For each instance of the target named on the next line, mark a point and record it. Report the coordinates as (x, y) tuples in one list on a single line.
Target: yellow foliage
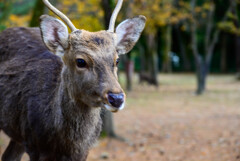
[(204, 15), (232, 16), (159, 12), (15, 20), (183, 28), (86, 15), (89, 14), (207, 6), (67, 3), (230, 27), (198, 9)]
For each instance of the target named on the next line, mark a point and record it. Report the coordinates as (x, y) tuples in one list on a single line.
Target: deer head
[(90, 58)]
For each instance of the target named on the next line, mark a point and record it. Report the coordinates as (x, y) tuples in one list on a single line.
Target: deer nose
[(115, 100)]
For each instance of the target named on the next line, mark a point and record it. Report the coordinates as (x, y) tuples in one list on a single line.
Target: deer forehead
[(96, 44)]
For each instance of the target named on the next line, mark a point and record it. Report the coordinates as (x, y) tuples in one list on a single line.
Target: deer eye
[(117, 61), (81, 63)]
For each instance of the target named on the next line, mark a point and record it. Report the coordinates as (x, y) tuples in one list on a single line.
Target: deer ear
[(128, 33), (54, 34)]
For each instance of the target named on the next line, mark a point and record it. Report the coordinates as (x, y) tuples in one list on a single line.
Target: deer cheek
[(86, 78)]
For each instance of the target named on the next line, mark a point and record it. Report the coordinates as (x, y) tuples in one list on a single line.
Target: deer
[(145, 77), (53, 85)]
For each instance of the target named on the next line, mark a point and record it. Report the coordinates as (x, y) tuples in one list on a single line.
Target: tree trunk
[(202, 72), (223, 61), (108, 124), (203, 65), (155, 68), (107, 6), (182, 47), (142, 59), (167, 37), (37, 12), (129, 70), (235, 12), (238, 56), (153, 58)]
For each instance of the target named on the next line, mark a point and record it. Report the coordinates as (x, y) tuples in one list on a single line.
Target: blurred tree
[(167, 36), (37, 12), (148, 9), (203, 16), (223, 62), (236, 20), (161, 15), (181, 39), (232, 25), (107, 6)]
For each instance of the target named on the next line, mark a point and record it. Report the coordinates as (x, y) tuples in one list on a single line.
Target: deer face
[(90, 59)]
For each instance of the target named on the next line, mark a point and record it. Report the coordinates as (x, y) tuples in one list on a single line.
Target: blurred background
[(182, 78)]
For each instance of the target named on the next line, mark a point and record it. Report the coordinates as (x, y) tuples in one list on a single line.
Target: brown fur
[(44, 104)]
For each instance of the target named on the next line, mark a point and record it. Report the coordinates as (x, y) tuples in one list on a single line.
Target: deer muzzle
[(115, 101)]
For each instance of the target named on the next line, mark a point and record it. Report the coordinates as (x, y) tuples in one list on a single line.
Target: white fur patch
[(59, 51), (113, 109)]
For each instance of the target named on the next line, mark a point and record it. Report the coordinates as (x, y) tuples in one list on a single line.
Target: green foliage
[(22, 7), (232, 24), (15, 13), (103, 134), (5, 10), (229, 27)]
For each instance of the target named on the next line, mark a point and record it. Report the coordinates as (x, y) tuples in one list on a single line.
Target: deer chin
[(113, 109)]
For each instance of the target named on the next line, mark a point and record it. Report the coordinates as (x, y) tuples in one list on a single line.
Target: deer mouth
[(114, 109)]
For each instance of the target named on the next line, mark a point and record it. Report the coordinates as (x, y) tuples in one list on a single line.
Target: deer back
[(24, 80)]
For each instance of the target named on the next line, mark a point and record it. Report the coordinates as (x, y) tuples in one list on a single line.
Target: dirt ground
[(171, 123)]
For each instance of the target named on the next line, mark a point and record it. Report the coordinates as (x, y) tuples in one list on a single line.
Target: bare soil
[(171, 123)]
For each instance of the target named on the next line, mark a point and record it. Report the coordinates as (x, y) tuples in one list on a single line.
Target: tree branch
[(209, 26), (194, 32), (216, 35)]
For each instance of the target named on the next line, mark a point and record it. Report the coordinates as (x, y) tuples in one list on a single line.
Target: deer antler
[(60, 14), (114, 16)]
